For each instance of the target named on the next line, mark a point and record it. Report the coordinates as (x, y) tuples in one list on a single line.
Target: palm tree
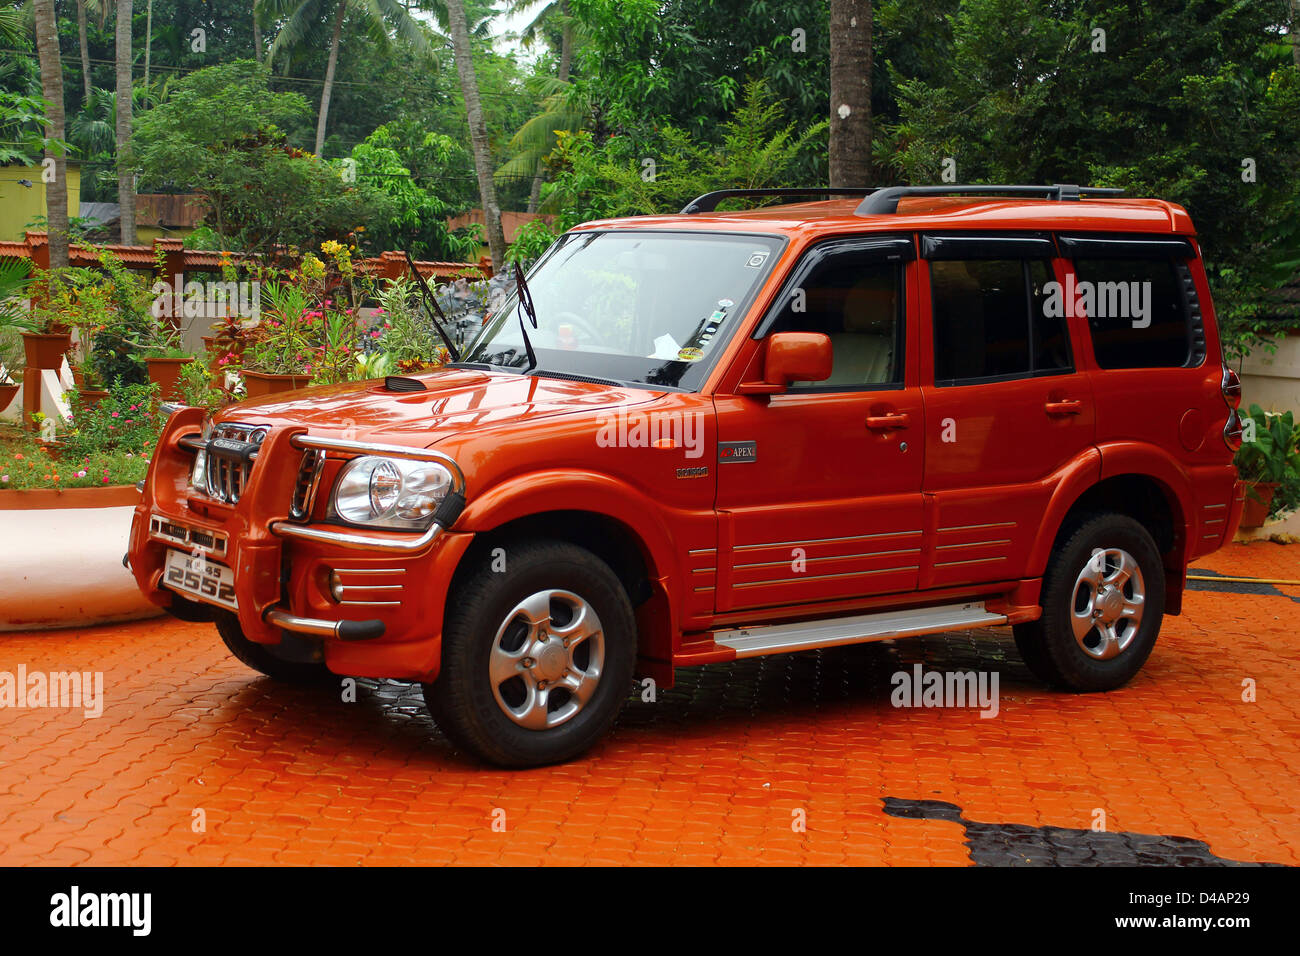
[(303, 26), (125, 175), (850, 139), (56, 192), (84, 47), (477, 131), (536, 138)]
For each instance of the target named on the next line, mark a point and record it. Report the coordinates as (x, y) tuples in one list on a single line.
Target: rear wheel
[(536, 661), (262, 657), (1103, 601)]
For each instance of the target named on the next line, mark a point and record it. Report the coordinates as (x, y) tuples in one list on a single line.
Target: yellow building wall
[(21, 205)]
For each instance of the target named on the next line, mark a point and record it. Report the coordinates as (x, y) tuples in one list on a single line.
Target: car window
[(1136, 313), (993, 319), (855, 298)]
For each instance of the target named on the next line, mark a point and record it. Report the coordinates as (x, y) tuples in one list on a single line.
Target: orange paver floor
[(792, 759)]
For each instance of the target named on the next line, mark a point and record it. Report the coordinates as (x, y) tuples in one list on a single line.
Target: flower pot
[(7, 393), (166, 373), (257, 384), (1254, 512), (90, 397), (46, 349)]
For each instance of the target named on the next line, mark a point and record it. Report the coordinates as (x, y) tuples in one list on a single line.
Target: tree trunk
[(56, 192), (477, 132), (148, 42), (125, 175), (85, 48), (328, 88), (257, 34), (850, 140), (1295, 26)]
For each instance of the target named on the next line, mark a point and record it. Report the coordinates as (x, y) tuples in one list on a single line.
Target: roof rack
[(709, 201), (883, 202)]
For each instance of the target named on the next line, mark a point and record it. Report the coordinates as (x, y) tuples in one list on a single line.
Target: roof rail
[(884, 202), (709, 201)]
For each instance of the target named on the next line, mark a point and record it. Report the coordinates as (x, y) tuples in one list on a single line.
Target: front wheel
[(537, 659), (262, 657), (1103, 601)]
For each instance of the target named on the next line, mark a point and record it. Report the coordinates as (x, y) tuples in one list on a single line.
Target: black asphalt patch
[(1014, 844)]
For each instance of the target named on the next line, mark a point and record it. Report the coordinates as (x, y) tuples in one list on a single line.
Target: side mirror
[(791, 357)]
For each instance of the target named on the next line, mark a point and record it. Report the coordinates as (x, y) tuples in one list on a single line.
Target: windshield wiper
[(429, 300), (525, 299)]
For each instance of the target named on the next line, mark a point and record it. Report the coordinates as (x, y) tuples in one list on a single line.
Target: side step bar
[(860, 628)]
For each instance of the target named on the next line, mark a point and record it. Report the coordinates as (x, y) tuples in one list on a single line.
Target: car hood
[(454, 400)]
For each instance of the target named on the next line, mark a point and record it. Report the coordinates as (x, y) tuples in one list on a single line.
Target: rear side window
[(991, 320), (1137, 312)]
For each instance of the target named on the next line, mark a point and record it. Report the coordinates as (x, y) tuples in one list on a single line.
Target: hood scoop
[(399, 383)]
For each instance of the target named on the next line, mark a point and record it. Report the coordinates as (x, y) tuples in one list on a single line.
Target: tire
[(261, 658), (536, 661), (1103, 601)]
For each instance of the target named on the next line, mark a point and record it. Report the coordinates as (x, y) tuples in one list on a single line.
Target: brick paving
[(785, 760)]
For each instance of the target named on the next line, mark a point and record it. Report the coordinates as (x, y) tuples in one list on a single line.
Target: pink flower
[(4, 479), (115, 415), (106, 479), (133, 408)]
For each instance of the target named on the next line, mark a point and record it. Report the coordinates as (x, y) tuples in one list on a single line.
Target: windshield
[(647, 307)]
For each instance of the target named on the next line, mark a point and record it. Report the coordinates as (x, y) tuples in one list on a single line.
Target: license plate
[(196, 576)]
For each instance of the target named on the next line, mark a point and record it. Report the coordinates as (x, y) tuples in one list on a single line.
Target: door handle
[(892, 420), (1066, 406)]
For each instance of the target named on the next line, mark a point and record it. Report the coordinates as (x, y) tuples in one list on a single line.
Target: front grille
[(226, 475), (304, 489)]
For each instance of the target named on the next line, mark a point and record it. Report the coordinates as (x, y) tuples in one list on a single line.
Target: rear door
[(819, 488), (1006, 410)]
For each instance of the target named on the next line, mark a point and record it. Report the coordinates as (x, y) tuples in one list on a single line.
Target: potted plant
[(10, 383), (1269, 456), (281, 352)]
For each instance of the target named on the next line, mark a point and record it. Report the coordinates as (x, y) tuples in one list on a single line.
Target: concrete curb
[(62, 567)]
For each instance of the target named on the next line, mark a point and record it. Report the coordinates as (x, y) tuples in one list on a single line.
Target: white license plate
[(196, 576)]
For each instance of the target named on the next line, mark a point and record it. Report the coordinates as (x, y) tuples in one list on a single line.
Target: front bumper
[(374, 600)]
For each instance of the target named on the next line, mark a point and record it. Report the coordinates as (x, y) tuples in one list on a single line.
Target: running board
[(860, 628)]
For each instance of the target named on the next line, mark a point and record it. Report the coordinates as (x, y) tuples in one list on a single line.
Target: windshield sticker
[(690, 355), (666, 347), (756, 259)]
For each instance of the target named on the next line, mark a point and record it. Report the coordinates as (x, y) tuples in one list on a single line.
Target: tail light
[(1230, 385), (1232, 431)]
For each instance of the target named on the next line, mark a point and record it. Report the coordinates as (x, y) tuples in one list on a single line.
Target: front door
[(819, 488)]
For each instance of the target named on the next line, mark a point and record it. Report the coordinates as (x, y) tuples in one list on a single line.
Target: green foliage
[(1272, 453), (126, 420), (220, 133), (534, 238), (22, 131), (757, 149), (416, 218), (405, 333), (1184, 93)]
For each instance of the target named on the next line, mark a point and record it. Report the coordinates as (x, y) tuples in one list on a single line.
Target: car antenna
[(526, 300), (429, 300)]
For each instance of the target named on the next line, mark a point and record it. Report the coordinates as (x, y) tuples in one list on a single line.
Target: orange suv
[(713, 435)]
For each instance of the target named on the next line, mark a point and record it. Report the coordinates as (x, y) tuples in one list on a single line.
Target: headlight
[(390, 492)]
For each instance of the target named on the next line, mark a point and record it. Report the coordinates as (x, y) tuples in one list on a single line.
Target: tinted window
[(856, 299), (1136, 312), (991, 320)]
